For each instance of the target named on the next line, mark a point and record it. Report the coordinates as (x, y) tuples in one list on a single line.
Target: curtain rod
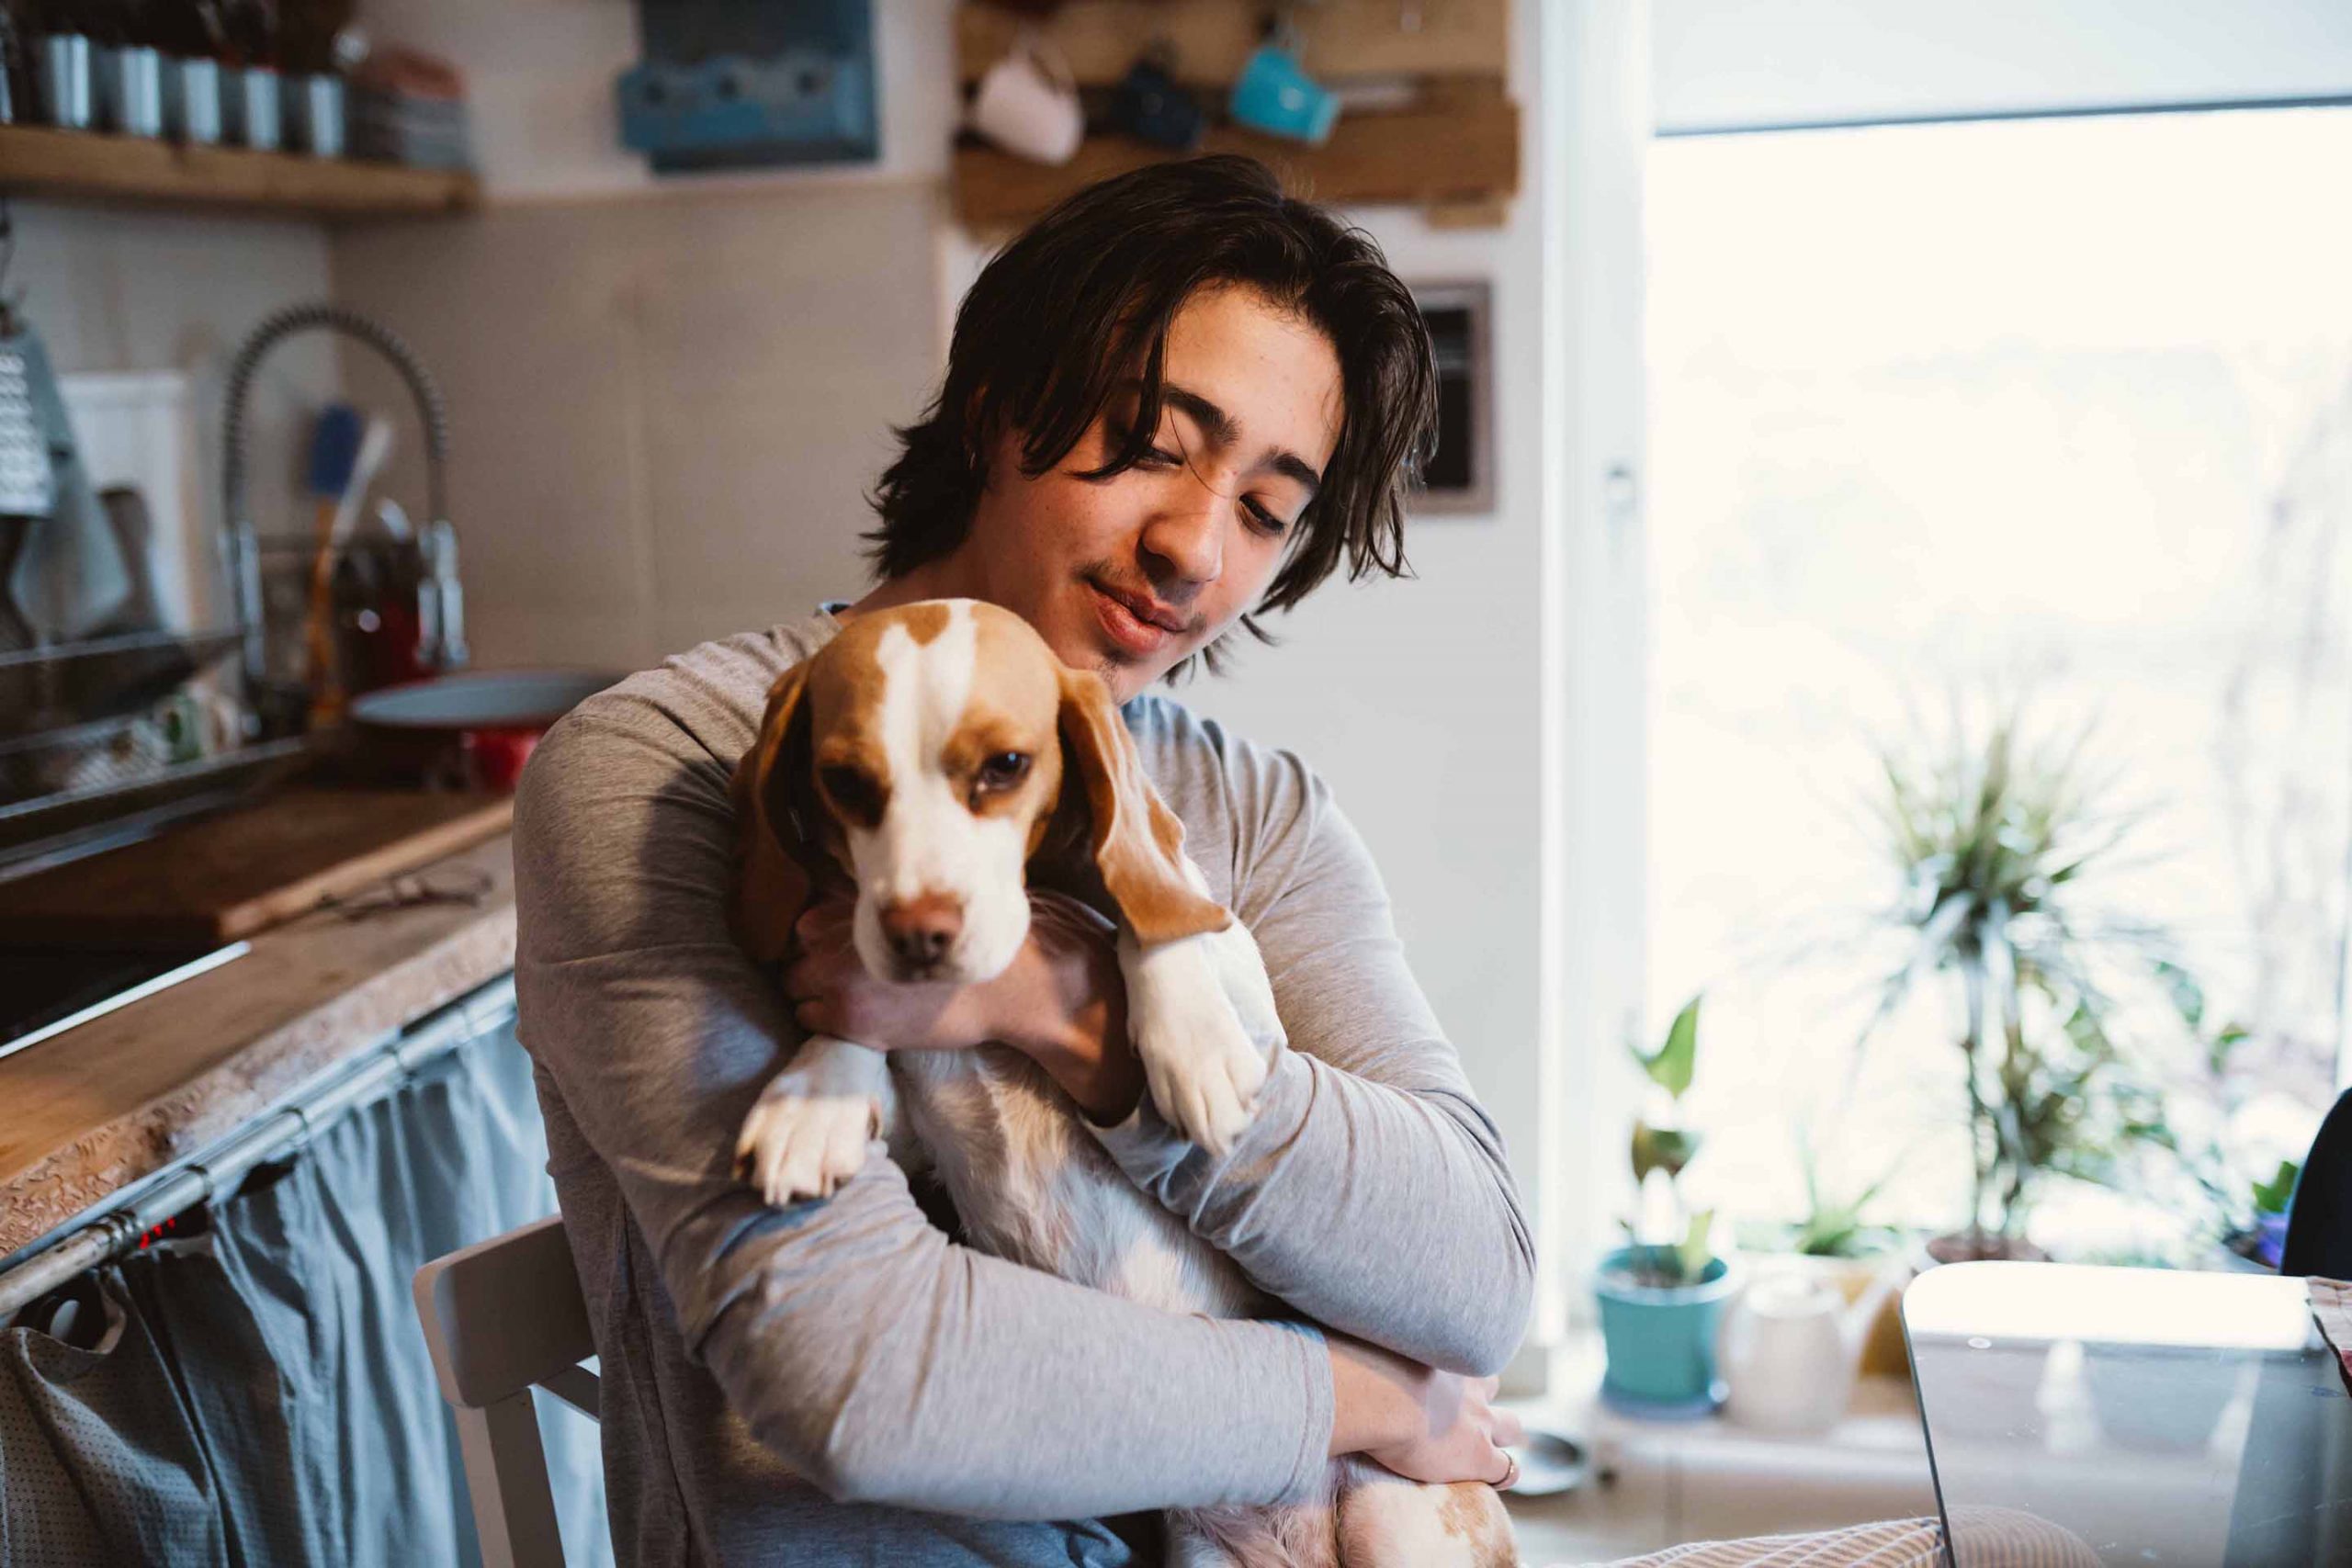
[(216, 1172)]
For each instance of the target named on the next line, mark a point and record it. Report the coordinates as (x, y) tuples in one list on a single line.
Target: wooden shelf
[(1210, 38), (35, 160), (1458, 156)]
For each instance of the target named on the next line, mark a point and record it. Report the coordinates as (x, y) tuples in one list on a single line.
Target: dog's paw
[(1204, 1070), (802, 1141)]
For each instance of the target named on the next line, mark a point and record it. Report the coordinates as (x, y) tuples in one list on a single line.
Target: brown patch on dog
[(773, 869), (1473, 1511), (788, 837), (1138, 841), (923, 620)]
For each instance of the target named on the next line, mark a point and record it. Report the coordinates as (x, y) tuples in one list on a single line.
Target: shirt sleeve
[(882, 1362), (1370, 1190)]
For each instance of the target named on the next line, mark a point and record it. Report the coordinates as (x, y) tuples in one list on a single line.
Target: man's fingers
[(824, 916), (1510, 1431)]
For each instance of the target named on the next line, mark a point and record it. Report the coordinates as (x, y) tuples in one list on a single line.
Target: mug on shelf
[(1151, 106), (1275, 94), (1027, 104)]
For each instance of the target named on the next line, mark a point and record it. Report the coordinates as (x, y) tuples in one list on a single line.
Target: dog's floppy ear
[(775, 861), (1139, 843)]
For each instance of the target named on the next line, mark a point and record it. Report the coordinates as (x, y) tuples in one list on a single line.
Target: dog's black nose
[(921, 929)]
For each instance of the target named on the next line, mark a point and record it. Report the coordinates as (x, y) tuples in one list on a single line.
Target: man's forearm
[(1373, 1403), (1374, 1210), (888, 1366)]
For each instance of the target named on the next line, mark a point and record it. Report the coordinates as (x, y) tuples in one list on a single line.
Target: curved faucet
[(444, 607)]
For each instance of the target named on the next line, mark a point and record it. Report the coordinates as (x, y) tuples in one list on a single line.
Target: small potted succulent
[(1830, 1241), (1662, 1294)]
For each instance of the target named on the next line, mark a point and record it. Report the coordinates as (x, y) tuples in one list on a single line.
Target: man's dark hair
[(1082, 300)]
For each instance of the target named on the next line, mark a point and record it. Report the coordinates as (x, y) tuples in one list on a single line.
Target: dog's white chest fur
[(1031, 1184)]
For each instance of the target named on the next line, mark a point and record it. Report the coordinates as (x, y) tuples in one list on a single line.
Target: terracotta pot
[(1956, 1246)]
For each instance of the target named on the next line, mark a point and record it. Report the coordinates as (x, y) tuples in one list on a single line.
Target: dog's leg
[(1202, 1015), (807, 1133), (1387, 1521), (1204, 1069)]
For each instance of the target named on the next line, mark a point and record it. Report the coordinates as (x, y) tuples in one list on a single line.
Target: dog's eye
[(1002, 772), (854, 795)]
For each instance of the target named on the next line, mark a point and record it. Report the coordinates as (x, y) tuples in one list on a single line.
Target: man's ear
[(1139, 843), (774, 860)]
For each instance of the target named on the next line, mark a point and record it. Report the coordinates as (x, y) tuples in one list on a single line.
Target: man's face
[(1128, 575)]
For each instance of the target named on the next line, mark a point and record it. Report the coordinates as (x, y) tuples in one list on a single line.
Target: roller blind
[(1723, 66)]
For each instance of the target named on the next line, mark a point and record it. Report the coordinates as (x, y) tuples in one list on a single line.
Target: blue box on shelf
[(734, 85)]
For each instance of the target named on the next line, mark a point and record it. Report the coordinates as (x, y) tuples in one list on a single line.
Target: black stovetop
[(44, 991)]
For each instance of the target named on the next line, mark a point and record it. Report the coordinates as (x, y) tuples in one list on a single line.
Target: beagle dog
[(936, 756)]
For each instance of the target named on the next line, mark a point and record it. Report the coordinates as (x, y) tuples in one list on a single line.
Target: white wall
[(664, 413), (1726, 64)]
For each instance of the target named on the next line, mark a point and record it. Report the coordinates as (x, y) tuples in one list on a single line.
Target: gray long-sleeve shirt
[(842, 1382)]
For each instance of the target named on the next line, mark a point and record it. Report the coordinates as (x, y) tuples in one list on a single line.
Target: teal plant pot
[(1662, 1342)]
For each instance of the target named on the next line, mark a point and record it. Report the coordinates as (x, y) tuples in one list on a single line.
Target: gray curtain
[(256, 1390)]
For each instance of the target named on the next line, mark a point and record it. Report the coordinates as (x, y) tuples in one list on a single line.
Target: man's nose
[(1188, 541), (921, 930)]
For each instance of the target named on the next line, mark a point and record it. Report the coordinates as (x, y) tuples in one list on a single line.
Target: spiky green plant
[(1990, 831)]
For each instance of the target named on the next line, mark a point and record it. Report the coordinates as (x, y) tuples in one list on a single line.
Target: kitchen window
[(2060, 405)]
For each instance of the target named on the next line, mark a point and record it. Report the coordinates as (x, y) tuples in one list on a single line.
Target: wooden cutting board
[(230, 875)]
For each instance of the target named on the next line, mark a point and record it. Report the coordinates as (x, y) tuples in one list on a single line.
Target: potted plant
[(2265, 1242), (1830, 1241), (1662, 1294), (2185, 1149), (1991, 838)]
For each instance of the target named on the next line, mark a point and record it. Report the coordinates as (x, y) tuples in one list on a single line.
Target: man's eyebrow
[(1222, 432)]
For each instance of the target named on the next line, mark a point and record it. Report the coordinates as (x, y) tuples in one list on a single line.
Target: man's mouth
[(1143, 608), (1135, 626)]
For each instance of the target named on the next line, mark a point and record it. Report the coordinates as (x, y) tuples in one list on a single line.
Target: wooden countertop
[(91, 1110)]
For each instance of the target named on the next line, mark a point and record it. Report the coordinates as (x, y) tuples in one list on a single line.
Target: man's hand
[(1061, 1000), (1423, 1424)]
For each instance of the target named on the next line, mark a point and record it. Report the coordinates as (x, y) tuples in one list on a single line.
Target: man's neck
[(933, 579)]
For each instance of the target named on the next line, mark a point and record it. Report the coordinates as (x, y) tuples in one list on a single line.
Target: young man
[(1179, 401)]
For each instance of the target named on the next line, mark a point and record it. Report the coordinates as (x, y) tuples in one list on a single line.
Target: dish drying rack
[(85, 761)]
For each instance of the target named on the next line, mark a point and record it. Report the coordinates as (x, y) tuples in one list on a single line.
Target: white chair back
[(502, 1318)]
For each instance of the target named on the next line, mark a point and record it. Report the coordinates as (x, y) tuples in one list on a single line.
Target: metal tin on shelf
[(131, 90), (192, 100), (250, 105), (314, 113), (67, 99)]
